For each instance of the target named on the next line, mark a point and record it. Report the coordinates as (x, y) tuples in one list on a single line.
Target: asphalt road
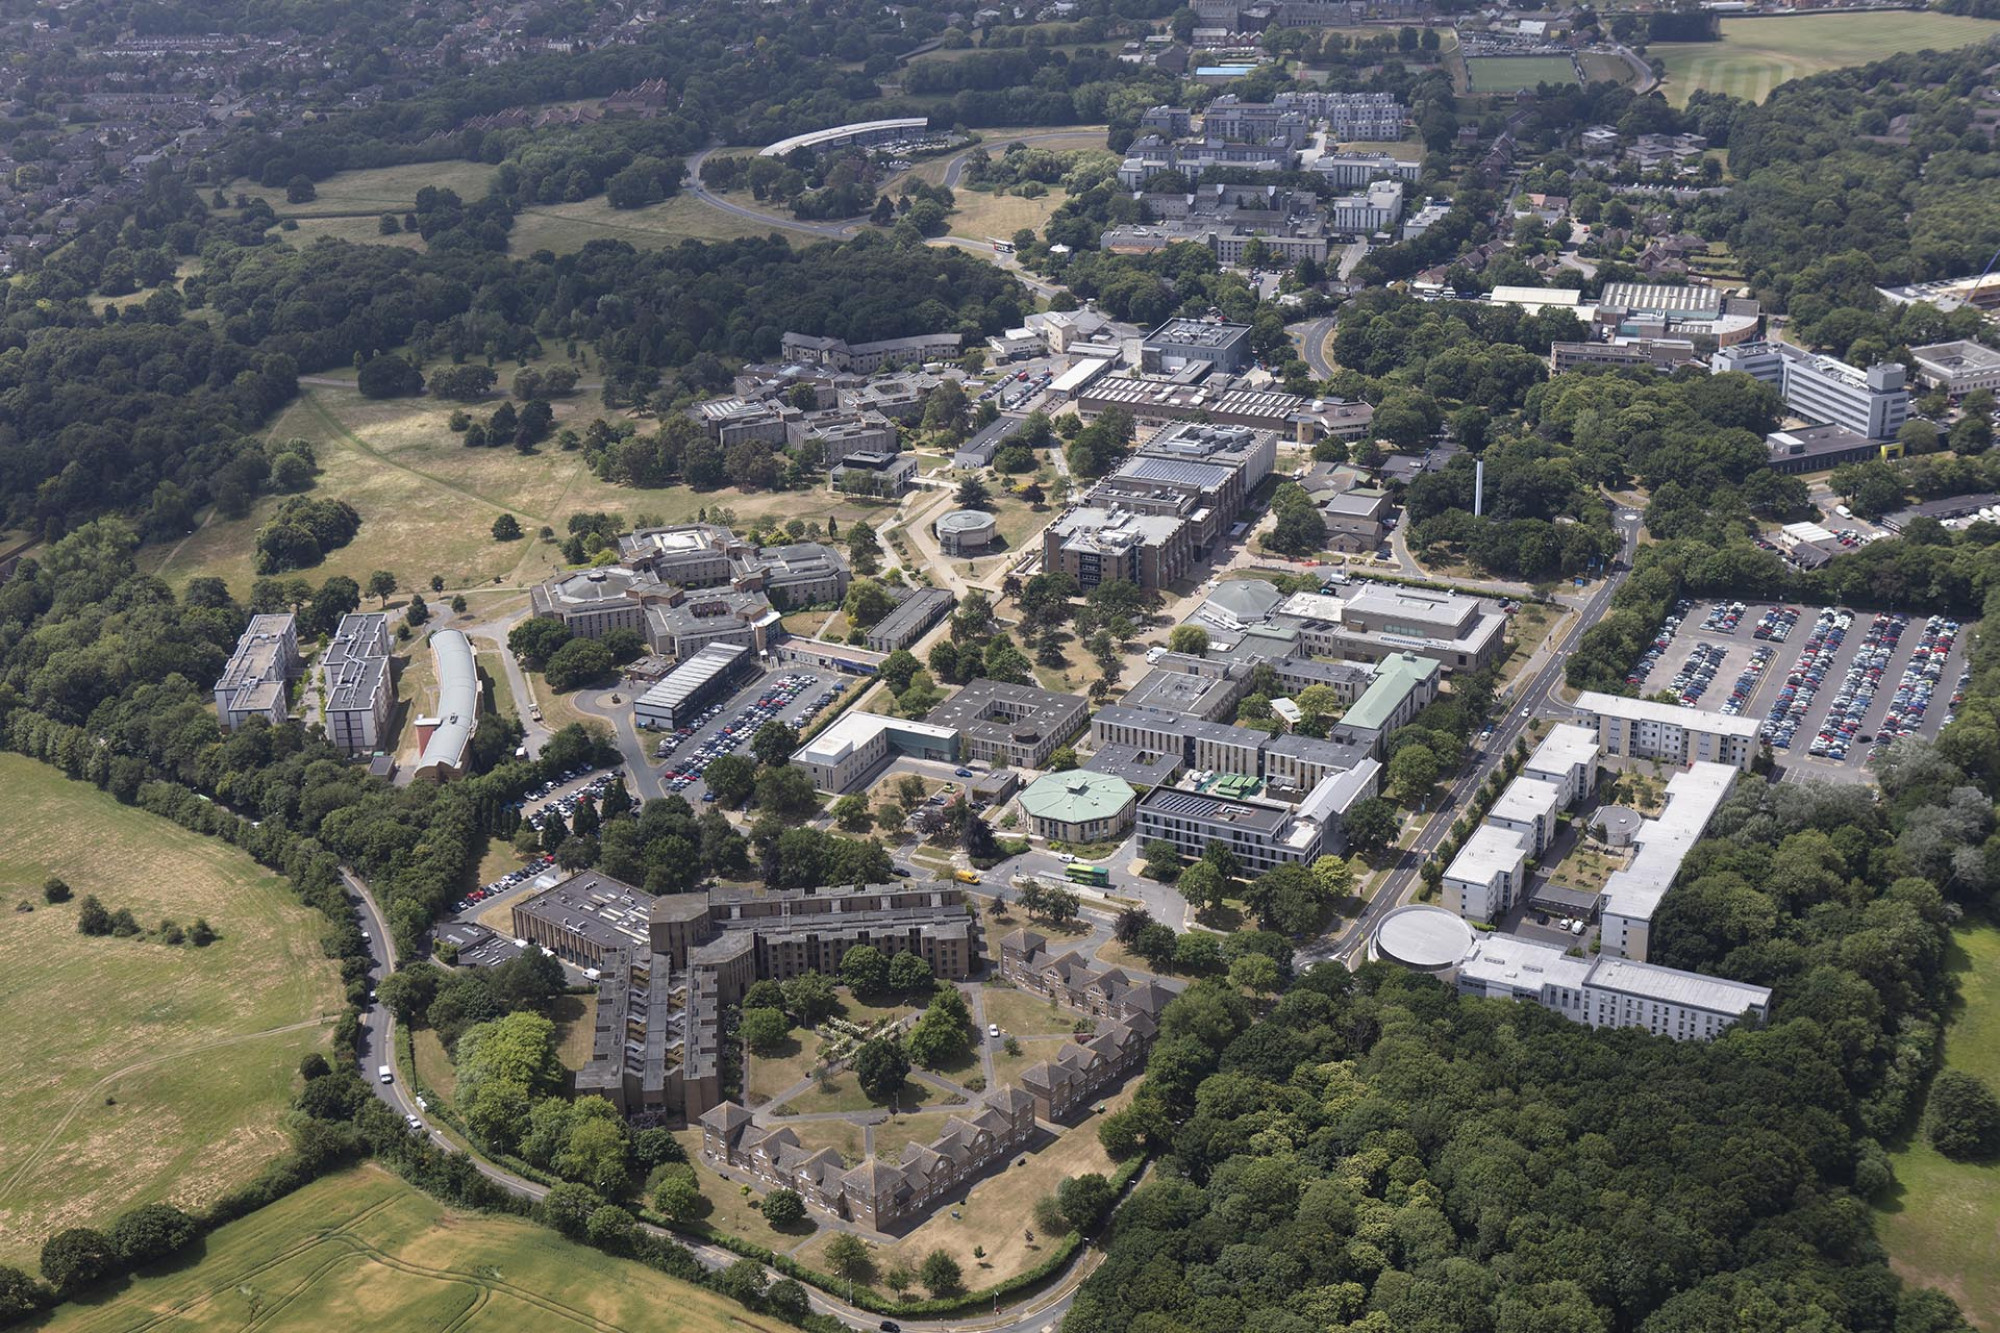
[(377, 1047), (1312, 338), (1525, 702)]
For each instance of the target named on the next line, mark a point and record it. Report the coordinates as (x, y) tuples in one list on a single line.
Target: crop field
[(1756, 55), (361, 1252), (139, 1070), (427, 503), (1942, 1229), (1506, 74)]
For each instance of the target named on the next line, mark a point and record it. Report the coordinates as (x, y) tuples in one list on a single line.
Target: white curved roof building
[(447, 735), (839, 136)]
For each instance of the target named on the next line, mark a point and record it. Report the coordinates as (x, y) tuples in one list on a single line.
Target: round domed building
[(1423, 938), (965, 532)]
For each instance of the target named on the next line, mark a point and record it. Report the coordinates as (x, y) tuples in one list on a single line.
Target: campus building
[(358, 684), (1010, 726), (254, 679), (1078, 806), (1957, 367), (446, 732), (1261, 833), (1222, 345), (1874, 402), (1632, 895), (668, 967), (862, 358), (1645, 729), (1805, 449), (701, 678), (1603, 991), (858, 745), (1373, 621), (1488, 875), (911, 619)]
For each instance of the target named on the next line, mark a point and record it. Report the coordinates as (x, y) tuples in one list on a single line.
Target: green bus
[(1079, 873)]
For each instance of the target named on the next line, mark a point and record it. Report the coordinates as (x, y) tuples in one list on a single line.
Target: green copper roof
[(1077, 796), (1395, 677)]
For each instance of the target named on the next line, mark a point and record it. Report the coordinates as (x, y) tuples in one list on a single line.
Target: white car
[(1064, 857), (993, 1030)]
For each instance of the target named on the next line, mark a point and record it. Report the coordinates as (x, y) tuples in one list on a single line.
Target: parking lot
[(794, 697), (1825, 685), (1020, 385)]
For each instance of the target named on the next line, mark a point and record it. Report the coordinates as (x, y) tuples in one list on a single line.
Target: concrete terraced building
[(668, 967), (254, 680), (358, 684)]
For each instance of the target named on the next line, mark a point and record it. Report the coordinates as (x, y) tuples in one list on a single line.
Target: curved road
[(378, 1046), (1312, 339), (1532, 700)]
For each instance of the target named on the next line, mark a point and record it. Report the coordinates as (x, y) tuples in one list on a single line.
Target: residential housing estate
[(254, 679)]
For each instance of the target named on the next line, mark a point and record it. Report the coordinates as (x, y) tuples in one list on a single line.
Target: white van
[(1843, 511), (386, 1074)]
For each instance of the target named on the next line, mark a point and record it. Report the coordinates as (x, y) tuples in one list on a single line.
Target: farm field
[(1756, 55), (427, 503), (361, 1251), (1506, 74), (1943, 1227), (140, 1071)]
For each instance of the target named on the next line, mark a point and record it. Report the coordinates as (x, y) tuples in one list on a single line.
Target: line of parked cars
[(1957, 697), (1723, 617), (734, 734), (1698, 672), (505, 882), (1644, 666), (594, 791), (1776, 625), (1802, 683), (1746, 684), (1919, 682), (1856, 695)]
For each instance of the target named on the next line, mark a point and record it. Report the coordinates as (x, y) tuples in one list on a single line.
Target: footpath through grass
[(1942, 1228), (363, 1252), (138, 1070)]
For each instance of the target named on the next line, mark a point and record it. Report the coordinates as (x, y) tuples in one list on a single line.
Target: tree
[(1049, 1218), (382, 586), (764, 1030), (300, 189), (973, 494), (536, 639), (1192, 639), (506, 528), (577, 663), (54, 890), (611, 1229), (909, 972), (849, 1257), (77, 1257), (21, 1295), (880, 1066), (942, 1031), (389, 376), (1962, 1117), (678, 1196), (1299, 531), (1412, 772), (1085, 1200), (1335, 877), (774, 743), (940, 1274), (568, 1208), (1372, 823), (732, 778), (152, 1231), (898, 668), (867, 602), (864, 970), (784, 1208), (787, 793), (851, 812), (863, 548), (809, 997), (1163, 860), (91, 918), (1254, 972), (1203, 887), (1062, 759)]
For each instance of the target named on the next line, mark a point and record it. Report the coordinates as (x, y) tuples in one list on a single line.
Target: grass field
[(139, 1070), (377, 190), (1506, 74), (427, 503), (1943, 1228), (361, 1252), (1756, 55), (562, 228)]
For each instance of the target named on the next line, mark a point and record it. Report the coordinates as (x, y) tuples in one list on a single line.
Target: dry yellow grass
[(138, 1070), (377, 190), (362, 1252)]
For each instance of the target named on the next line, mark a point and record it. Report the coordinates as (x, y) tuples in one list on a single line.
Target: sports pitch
[(1507, 74), (1756, 55)]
